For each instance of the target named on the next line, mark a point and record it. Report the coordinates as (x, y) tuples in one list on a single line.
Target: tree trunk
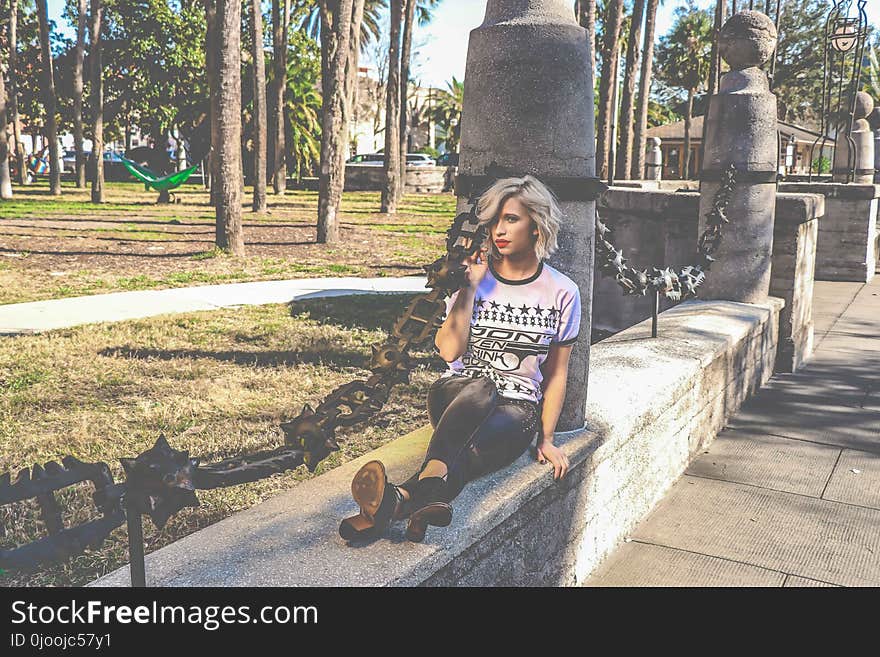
[(97, 103), (180, 151), (638, 167), (714, 65), (334, 126), (280, 26), (610, 49), (259, 204), (391, 184), (5, 180), (352, 80), (49, 100), (687, 135), (587, 19), (13, 93), (405, 56), (227, 149), (624, 153), (78, 56), (211, 48)]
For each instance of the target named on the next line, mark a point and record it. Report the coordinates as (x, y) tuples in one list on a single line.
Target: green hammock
[(159, 183)]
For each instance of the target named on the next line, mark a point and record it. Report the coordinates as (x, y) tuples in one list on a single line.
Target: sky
[(440, 48)]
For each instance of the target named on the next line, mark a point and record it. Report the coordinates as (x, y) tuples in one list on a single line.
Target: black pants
[(476, 430)]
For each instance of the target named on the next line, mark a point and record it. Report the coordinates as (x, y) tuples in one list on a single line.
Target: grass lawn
[(217, 383), (53, 247)]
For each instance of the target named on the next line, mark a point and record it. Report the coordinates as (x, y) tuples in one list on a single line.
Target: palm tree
[(425, 16), (683, 60), (624, 163), (79, 55), (586, 13), (97, 82), (49, 100), (260, 131), (638, 161), (280, 27), (391, 187), (447, 114), (13, 92), (607, 80), (5, 180), (303, 124), (336, 29), (227, 149)]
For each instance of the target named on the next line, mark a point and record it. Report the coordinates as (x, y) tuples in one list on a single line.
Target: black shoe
[(379, 500), (430, 508)]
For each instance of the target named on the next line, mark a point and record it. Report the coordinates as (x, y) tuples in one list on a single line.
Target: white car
[(378, 159)]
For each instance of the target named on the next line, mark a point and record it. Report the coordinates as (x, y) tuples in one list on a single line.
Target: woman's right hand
[(476, 266)]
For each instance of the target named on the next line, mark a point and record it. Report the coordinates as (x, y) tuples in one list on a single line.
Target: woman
[(507, 337)]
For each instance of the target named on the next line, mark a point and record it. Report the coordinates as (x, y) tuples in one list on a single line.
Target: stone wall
[(428, 180), (653, 405), (848, 237), (794, 263), (660, 228)]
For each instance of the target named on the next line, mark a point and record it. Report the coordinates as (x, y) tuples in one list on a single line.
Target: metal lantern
[(846, 31)]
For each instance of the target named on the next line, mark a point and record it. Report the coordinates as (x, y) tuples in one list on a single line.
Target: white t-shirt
[(512, 326)]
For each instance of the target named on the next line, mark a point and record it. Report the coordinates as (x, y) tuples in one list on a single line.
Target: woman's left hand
[(547, 451)]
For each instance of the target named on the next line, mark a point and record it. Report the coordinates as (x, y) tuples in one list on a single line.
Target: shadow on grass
[(358, 311), (330, 357)]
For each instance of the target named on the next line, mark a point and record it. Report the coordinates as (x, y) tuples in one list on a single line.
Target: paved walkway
[(40, 316), (789, 493)]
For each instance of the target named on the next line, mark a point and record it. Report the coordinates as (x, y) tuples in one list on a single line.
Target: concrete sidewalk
[(789, 493), (39, 316)]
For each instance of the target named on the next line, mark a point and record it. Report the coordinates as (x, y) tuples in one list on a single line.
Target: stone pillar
[(741, 129), (863, 140), (876, 157), (654, 160), (528, 106)]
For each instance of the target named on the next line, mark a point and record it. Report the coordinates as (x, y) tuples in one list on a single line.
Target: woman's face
[(514, 233)]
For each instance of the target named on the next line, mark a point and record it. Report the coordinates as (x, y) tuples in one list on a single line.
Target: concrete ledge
[(653, 405)]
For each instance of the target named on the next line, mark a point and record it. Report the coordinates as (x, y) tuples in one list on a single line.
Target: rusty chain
[(673, 285)]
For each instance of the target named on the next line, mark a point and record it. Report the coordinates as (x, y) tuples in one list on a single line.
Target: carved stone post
[(858, 168), (528, 106), (654, 160), (741, 129)]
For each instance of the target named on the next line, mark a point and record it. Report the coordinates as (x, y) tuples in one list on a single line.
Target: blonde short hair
[(538, 200)]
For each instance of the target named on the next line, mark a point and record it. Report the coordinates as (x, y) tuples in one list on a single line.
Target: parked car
[(378, 159), (420, 160), (372, 159), (114, 169)]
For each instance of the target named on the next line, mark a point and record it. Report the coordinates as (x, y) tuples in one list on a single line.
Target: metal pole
[(136, 548), (655, 313)]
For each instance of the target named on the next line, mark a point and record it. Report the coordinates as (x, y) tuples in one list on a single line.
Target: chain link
[(313, 430), (673, 285)]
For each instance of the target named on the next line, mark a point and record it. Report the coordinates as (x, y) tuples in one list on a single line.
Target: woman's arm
[(452, 337), (555, 371)]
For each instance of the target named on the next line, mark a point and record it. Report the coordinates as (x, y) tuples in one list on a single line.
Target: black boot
[(379, 500), (430, 507)]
